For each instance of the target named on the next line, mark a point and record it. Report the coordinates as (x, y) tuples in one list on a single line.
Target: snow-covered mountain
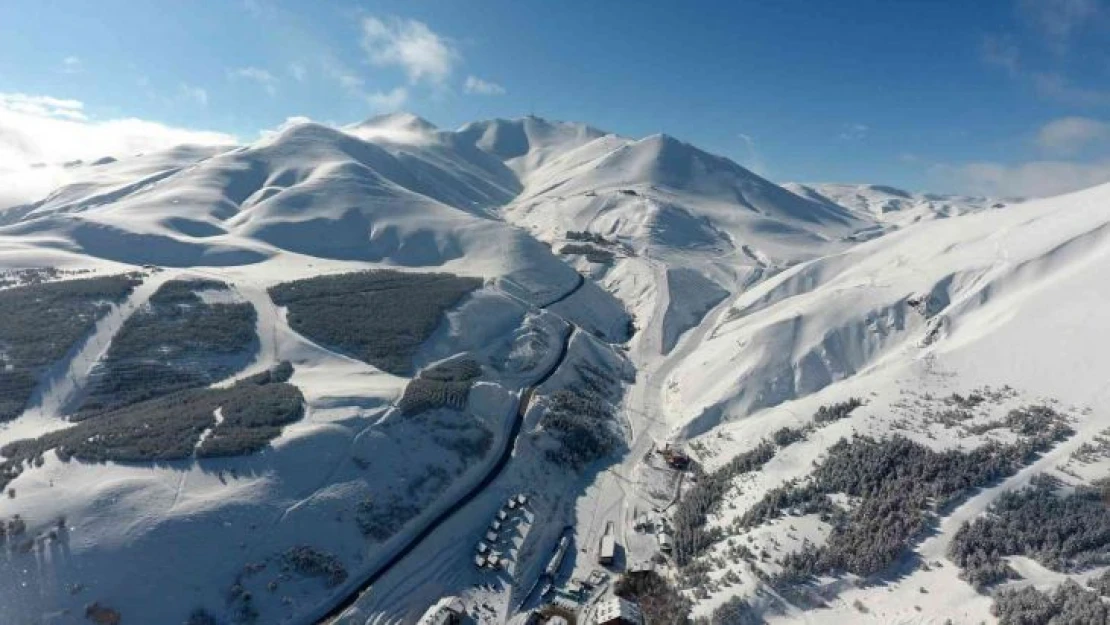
[(231, 409), (894, 206)]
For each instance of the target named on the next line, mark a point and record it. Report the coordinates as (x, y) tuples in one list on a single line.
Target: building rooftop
[(618, 610)]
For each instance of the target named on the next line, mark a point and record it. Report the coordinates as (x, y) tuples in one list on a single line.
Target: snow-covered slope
[(659, 192), (833, 317), (891, 205), (526, 144), (751, 305)]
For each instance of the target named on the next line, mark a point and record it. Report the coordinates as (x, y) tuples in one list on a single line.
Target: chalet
[(665, 542), (607, 550), (617, 611)]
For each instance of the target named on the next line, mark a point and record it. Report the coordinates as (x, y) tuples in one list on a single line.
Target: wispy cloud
[(1057, 87), (1052, 84), (754, 159), (195, 94), (1001, 51), (854, 131), (1074, 154), (72, 65), (39, 129), (1032, 179), (1059, 20), (1070, 135), (387, 102), (478, 86), (289, 122), (42, 106), (297, 71), (263, 77), (342, 75), (1061, 26), (424, 55)]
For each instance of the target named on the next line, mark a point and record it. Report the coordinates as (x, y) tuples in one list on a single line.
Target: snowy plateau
[(363, 374)]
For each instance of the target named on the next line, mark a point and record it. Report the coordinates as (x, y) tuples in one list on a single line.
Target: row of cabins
[(484, 554)]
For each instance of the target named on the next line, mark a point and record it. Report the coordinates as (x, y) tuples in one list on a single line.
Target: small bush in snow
[(201, 616), (786, 436), (379, 521), (836, 412), (446, 385), (311, 562)]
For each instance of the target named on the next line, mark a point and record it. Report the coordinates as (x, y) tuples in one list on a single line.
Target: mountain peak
[(400, 127), (401, 120), (512, 138)]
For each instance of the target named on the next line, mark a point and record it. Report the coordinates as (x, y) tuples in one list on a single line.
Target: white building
[(607, 550), (665, 542), (617, 611)]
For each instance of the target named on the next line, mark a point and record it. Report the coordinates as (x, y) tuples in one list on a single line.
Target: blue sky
[(999, 96)]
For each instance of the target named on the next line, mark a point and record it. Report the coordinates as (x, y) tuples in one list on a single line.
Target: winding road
[(348, 600)]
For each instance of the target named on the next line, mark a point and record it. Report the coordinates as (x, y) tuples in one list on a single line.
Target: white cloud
[(754, 160), (1059, 20), (1057, 87), (264, 78), (854, 132), (196, 94), (1001, 52), (410, 45), (389, 101), (72, 65), (289, 122), (1069, 135), (42, 106), (478, 86), (341, 74), (37, 129), (298, 71), (1032, 179)]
